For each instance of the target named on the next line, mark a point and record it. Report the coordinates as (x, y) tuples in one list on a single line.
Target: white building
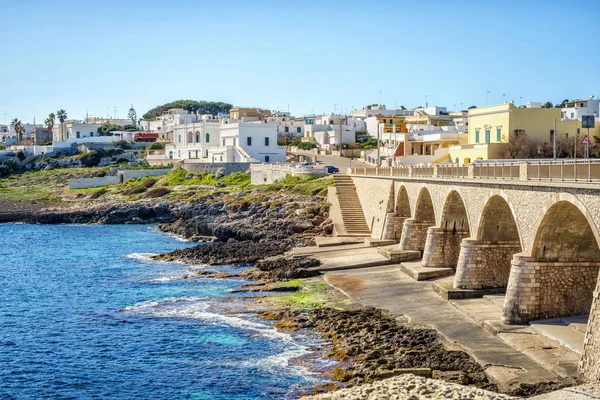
[(165, 124), (577, 108), (214, 142), (375, 111), (72, 129)]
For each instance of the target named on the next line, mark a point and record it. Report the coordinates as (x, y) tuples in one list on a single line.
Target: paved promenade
[(388, 288)]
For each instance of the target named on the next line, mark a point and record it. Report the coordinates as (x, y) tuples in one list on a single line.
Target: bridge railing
[(584, 170)]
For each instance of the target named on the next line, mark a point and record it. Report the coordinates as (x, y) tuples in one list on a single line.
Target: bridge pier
[(392, 227), (484, 264), (548, 289), (442, 247), (414, 235), (589, 364)]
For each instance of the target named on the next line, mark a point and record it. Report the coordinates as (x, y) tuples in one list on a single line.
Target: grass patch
[(236, 179), (179, 177), (309, 186), (312, 297)]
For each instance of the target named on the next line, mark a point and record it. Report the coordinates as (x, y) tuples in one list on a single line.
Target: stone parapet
[(483, 264), (545, 289), (414, 235), (442, 247)]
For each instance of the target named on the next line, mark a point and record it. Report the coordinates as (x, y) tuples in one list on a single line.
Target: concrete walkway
[(388, 288)]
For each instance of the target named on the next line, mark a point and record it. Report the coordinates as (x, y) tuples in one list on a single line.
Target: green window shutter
[(476, 136), (487, 135), (498, 134)]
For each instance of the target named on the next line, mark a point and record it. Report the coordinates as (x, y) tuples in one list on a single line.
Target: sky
[(311, 56)]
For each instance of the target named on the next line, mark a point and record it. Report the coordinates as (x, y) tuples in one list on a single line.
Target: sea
[(85, 313)]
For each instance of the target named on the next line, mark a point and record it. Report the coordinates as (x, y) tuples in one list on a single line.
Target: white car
[(304, 164)]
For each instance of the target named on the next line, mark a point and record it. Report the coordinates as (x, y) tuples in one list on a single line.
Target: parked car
[(304, 164), (331, 169)]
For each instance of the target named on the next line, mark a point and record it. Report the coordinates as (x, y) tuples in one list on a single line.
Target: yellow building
[(490, 128), (248, 113)]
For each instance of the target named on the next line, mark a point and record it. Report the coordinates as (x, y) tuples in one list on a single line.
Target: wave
[(145, 306), (145, 257)]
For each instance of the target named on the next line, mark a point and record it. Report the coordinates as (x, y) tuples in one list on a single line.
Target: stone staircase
[(352, 213)]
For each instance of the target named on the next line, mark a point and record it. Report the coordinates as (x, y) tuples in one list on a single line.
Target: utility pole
[(554, 141), (379, 125)]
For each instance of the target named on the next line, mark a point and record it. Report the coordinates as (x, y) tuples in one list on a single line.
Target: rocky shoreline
[(261, 229)]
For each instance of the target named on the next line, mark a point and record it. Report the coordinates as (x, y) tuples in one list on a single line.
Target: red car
[(145, 137)]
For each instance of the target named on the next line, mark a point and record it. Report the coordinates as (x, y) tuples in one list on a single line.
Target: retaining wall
[(86, 183)]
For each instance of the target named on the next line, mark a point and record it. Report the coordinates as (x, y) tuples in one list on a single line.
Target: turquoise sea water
[(84, 314)]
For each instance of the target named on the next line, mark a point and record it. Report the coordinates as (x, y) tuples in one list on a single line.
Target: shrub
[(98, 193), (122, 161), (90, 159), (157, 192), (122, 144), (236, 179), (156, 146), (306, 145), (100, 174), (21, 156)]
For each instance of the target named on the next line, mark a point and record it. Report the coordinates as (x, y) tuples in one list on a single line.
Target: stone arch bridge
[(527, 230)]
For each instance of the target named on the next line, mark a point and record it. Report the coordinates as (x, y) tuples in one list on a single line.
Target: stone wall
[(442, 248), (589, 365), (483, 265), (140, 173), (216, 168), (414, 235), (540, 290), (374, 196), (86, 183)]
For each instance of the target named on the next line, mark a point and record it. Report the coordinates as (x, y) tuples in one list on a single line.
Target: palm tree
[(17, 126), (62, 116), (49, 122)]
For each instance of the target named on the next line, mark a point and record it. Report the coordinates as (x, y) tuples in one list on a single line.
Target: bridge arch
[(485, 261), (424, 211), (414, 230), (498, 222), (442, 247), (560, 276), (454, 214), (402, 208)]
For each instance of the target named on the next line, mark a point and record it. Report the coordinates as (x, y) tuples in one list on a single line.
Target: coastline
[(251, 227)]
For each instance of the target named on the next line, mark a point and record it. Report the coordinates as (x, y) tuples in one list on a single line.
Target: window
[(266, 141), (197, 139), (78, 134), (249, 141), (566, 136), (477, 136), (91, 134), (266, 158), (298, 130), (487, 135), (206, 153), (223, 142), (384, 120), (207, 137), (551, 135), (178, 138), (287, 129), (572, 115), (498, 134), (330, 122)]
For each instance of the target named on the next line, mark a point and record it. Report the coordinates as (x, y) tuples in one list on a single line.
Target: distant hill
[(204, 107)]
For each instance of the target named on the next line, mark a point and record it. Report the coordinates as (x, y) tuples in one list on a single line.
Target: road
[(342, 163)]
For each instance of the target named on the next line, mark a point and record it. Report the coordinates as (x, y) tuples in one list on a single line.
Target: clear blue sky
[(80, 55)]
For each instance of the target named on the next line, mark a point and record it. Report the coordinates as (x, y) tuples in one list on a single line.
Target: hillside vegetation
[(203, 107)]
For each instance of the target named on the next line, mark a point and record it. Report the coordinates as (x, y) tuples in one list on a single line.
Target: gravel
[(410, 387)]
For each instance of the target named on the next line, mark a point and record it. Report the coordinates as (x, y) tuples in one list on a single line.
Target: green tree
[(62, 117), (18, 128), (203, 107), (548, 105), (49, 122), (132, 115)]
